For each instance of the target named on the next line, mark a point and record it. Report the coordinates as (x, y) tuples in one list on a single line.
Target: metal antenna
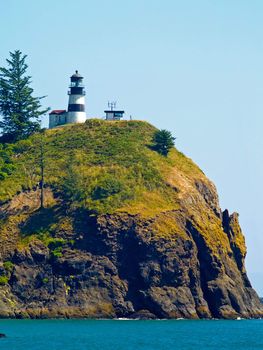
[(112, 105)]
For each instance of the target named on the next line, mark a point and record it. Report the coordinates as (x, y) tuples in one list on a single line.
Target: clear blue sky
[(193, 67)]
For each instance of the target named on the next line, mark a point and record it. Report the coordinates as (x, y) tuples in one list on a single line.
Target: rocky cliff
[(124, 232)]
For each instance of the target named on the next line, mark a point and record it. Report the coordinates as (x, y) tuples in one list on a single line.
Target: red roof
[(58, 111)]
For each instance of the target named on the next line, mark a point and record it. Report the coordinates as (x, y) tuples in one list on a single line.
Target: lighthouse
[(76, 104)]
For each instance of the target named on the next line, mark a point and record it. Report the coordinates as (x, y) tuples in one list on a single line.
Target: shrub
[(73, 187), (107, 187), (3, 280), (8, 168), (3, 175), (6, 163), (57, 253), (8, 266), (56, 246), (45, 280), (56, 243), (23, 146)]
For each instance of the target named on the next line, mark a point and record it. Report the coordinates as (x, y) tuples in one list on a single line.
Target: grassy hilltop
[(103, 166)]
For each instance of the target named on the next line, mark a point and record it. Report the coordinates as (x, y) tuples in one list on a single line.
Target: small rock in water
[(143, 315)]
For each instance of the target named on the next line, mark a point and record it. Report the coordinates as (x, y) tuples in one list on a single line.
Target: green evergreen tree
[(20, 111), (163, 141)]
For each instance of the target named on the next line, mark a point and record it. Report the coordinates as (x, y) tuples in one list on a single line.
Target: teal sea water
[(127, 335)]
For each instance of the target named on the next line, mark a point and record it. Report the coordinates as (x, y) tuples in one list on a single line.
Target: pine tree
[(163, 141), (20, 111)]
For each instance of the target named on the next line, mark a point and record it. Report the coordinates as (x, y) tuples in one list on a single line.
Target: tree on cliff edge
[(20, 111), (163, 141)]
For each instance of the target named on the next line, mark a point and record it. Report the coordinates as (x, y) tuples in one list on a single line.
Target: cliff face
[(167, 252)]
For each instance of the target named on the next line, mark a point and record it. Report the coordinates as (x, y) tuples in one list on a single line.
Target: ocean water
[(126, 334)]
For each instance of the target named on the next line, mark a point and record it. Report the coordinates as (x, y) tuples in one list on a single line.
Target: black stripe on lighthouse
[(76, 108), (76, 90)]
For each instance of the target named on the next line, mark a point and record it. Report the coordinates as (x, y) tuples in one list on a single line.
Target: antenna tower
[(112, 105)]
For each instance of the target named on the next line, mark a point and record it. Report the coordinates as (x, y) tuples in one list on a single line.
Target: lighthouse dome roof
[(76, 75)]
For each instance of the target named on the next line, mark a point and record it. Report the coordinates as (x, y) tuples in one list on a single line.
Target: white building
[(57, 117), (112, 114), (76, 105)]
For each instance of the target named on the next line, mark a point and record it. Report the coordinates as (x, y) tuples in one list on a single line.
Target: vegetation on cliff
[(123, 229), (102, 165), (108, 167)]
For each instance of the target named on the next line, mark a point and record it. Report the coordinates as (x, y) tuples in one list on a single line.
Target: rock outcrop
[(119, 267), (140, 260)]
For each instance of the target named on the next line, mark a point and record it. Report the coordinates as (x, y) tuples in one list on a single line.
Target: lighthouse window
[(77, 83)]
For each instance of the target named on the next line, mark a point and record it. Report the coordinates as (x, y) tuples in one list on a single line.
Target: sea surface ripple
[(131, 335)]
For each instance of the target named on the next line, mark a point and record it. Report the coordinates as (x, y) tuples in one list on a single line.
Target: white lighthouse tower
[(76, 104)]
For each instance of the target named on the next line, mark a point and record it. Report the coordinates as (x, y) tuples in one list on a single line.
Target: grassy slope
[(112, 168), (94, 153)]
